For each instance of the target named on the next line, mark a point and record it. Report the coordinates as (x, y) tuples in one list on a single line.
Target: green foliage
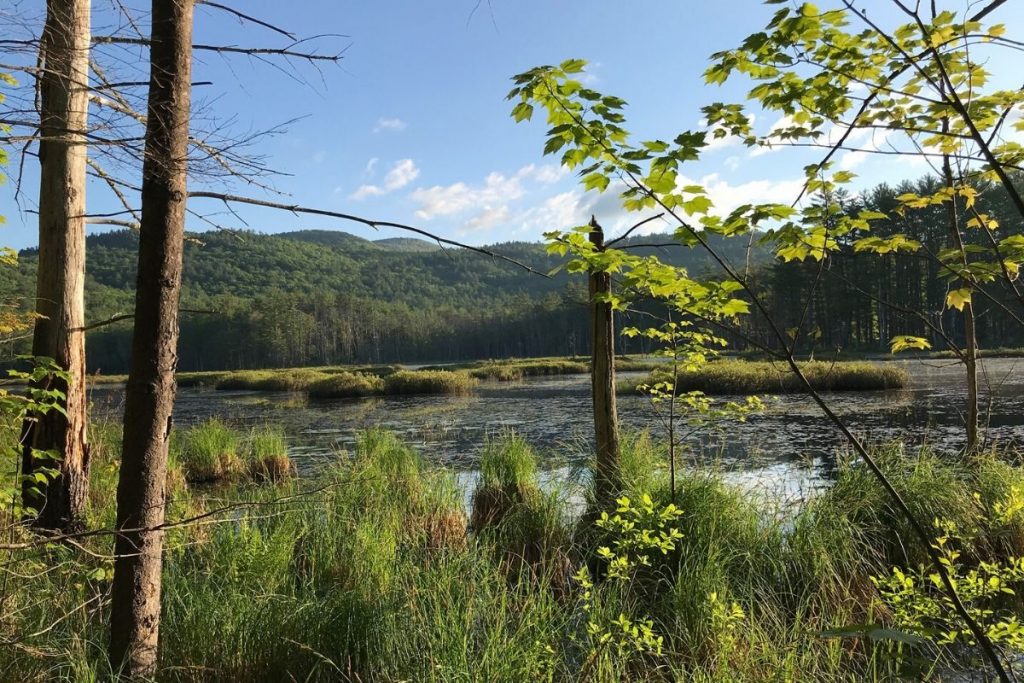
[(921, 606), (635, 532), (846, 71), (32, 399)]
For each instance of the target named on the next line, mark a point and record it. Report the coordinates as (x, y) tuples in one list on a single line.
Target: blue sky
[(413, 127)]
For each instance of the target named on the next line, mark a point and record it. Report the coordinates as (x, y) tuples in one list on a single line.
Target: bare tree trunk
[(149, 398), (60, 281), (606, 418)]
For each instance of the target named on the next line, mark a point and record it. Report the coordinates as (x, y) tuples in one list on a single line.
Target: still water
[(789, 447)]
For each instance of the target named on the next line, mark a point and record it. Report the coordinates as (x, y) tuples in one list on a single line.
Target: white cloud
[(725, 197), (546, 174), (784, 122), (486, 219), (445, 200), (390, 124), (401, 174), (487, 204), (562, 211), (371, 166)]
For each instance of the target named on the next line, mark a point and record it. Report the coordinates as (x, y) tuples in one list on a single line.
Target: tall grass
[(346, 385), (292, 379), (266, 455), (513, 369), (208, 452), (368, 573), (762, 377), (428, 382)]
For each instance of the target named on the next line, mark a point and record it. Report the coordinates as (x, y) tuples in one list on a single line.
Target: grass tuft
[(346, 385), (266, 455), (428, 382), (209, 452), (763, 377)]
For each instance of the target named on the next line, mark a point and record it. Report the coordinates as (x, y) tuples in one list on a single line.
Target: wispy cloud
[(401, 174), (486, 204), (445, 200), (390, 124)]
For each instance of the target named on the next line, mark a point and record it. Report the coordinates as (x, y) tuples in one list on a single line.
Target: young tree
[(925, 87), (587, 124), (60, 292), (149, 398)]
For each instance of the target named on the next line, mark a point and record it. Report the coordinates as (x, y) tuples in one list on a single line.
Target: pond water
[(789, 447)]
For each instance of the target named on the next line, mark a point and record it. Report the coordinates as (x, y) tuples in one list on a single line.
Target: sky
[(412, 125)]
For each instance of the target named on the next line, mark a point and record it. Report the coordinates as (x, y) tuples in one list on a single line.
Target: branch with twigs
[(229, 199)]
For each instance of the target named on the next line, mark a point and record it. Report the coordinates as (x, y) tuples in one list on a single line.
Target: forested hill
[(319, 296), (397, 270)]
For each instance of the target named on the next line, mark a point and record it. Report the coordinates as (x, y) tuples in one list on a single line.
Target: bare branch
[(233, 49), (375, 224), (246, 17)]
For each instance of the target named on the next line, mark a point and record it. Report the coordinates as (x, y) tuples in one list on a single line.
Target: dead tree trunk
[(60, 281), (149, 398), (606, 418)]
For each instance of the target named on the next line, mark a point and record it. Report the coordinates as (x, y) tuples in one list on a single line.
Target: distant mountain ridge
[(324, 296), (406, 270)]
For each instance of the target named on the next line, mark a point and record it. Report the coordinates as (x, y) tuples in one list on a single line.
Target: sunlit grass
[(763, 377), (428, 382)]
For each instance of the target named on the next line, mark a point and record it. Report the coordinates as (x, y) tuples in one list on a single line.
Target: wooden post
[(606, 418)]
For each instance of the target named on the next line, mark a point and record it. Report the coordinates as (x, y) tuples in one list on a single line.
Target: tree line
[(327, 297)]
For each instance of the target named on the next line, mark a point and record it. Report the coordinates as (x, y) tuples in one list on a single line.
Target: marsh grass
[(345, 385), (763, 377), (266, 455), (515, 369), (429, 382), (291, 379), (208, 452), (373, 577)]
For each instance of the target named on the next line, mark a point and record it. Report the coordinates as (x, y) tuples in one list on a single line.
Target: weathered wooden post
[(606, 417)]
